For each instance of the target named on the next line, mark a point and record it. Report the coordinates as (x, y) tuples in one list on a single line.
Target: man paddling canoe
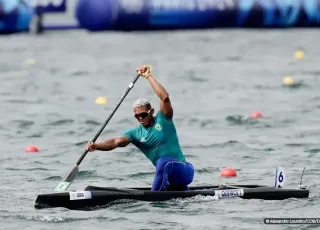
[(157, 138)]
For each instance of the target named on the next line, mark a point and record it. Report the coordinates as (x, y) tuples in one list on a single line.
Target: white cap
[(140, 103)]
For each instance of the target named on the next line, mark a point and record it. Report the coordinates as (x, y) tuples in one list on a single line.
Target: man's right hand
[(91, 146), (144, 71)]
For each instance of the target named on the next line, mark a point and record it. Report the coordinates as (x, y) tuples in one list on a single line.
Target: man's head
[(143, 112)]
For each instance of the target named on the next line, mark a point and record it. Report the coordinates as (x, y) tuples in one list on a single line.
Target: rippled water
[(216, 78)]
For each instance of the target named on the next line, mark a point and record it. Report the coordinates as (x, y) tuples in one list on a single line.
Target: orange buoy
[(256, 114), (31, 148), (228, 172)]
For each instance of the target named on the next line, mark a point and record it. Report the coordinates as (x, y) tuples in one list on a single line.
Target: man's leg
[(160, 181), (172, 175), (178, 174)]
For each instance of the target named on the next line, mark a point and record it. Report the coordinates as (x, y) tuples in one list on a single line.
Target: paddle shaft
[(109, 118)]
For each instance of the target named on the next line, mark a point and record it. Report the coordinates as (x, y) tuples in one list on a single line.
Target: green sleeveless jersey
[(159, 140)]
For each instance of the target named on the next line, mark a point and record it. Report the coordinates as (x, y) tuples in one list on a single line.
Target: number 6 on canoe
[(280, 177), (63, 185)]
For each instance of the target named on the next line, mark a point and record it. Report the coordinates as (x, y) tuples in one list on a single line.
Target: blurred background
[(101, 15), (243, 77)]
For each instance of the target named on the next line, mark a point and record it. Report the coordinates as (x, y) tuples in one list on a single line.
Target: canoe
[(93, 197)]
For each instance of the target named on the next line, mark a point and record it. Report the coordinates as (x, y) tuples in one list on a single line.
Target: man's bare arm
[(109, 144)]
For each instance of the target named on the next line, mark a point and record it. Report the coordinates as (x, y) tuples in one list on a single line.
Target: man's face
[(144, 115)]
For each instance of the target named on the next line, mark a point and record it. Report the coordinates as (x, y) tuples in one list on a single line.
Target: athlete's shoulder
[(160, 115), (132, 133)]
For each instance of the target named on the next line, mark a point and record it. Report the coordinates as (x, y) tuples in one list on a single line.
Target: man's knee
[(181, 173)]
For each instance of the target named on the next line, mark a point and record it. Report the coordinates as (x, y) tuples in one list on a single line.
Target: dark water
[(216, 78)]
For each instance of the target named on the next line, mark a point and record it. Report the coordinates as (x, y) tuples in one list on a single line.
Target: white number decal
[(229, 193), (280, 178), (80, 195)]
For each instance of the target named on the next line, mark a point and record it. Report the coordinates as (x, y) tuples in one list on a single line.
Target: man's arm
[(165, 104), (112, 143)]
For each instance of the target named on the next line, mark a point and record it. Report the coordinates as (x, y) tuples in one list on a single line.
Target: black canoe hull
[(93, 196)]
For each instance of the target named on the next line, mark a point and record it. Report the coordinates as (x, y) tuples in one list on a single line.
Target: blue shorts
[(172, 173)]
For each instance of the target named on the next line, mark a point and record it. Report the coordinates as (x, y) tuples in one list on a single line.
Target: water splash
[(59, 219), (195, 199)]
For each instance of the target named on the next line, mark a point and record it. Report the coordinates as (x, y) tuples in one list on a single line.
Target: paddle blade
[(63, 186)]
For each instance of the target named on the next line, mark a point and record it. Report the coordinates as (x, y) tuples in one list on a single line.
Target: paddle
[(63, 185)]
